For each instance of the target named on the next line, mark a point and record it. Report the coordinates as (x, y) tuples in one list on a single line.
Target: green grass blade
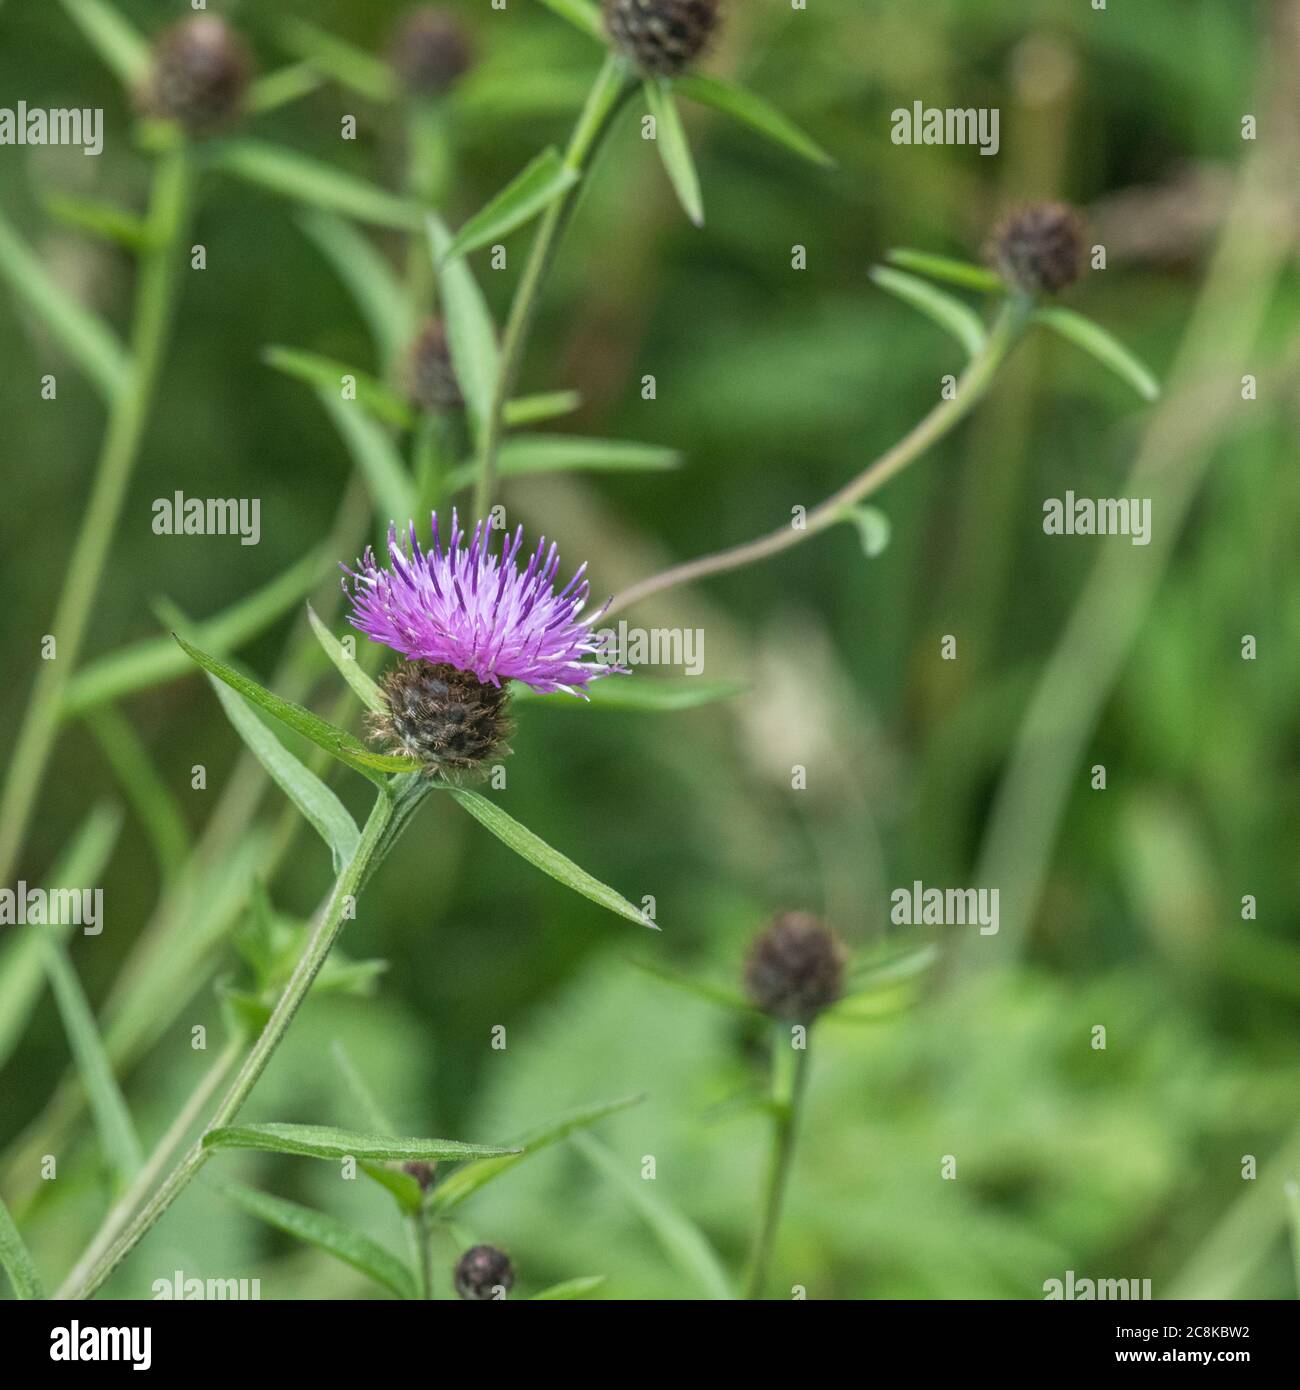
[(338, 743), (292, 175), (679, 1237), (117, 1134), (118, 43), (327, 375), (530, 192), (375, 456), (1109, 351), (674, 149), (752, 110), (642, 694), (950, 314), (581, 14), (369, 693), (350, 66), (963, 273), (326, 1233), (550, 861), (326, 813), (102, 220), (325, 1141), (17, 1259), (88, 341), (368, 278), (466, 1181), (561, 453), (157, 659), (546, 405), (471, 335), (570, 1288), (280, 88)]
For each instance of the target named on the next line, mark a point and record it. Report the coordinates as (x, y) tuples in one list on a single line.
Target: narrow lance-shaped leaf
[(642, 694), (116, 41), (338, 743), (326, 813), (570, 1288), (356, 69), (550, 861), (102, 220), (89, 342), (751, 110), (963, 273), (17, 1259), (471, 336), (581, 14), (276, 89), (674, 149), (293, 175), (368, 692), (374, 454), (950, 314), (1095, 341), (681, 1240), (531, 191), (328, 375), (466, 1181), (546, 405), (561, 453), (325, 1233), (325, 1141)]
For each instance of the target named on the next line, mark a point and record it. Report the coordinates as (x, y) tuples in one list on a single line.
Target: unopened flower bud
[(421, 1172), (430, 52), (795, 969), (662, 37), (482, 1271), (1039, 249), (430, 377), (201, 70)]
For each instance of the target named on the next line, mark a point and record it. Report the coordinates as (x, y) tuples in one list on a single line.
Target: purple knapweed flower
[(480, 613)]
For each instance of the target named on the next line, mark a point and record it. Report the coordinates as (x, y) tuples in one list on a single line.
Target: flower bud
[(1040, 248), (795, 969), (421, 1172), (482, 1270), (201, 70), (445, 719), (430, 377), (430, 52), (662, 37)]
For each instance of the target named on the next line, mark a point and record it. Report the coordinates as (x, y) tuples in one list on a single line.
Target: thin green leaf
[(88, 341), (277, 89), (581, 14), (751, 110), (725, 996), (963, 273), (117, 42), (547, 405), (347, 64), (328, 375), (470, 332), (293, 175), (326, 813), (1109, 351), (530, 192), (642, 694), (325, 1233), (368, 278), (375, 456), (324, 1141), (22, 970), (369, 693), (1291, 1189), (112, 1119), (681, 1240), (157, 659), (338, 743), (466, 1181), (17, 1259), (950, 314), (562, 453), (674, 149), (873, 528), (550, 861), (375, 1115), (102, 220), (571, 1288)]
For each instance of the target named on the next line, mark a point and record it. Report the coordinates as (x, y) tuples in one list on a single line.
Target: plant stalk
[(169, 210), (612, 87)]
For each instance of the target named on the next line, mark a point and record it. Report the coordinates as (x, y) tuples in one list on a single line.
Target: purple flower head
[(479, 612)]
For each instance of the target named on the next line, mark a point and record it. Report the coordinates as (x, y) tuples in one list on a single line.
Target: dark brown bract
[(201, 70), (482, 1270), (430, 52), (795, 969), (662, 37), (444, 718), (1040, 248)]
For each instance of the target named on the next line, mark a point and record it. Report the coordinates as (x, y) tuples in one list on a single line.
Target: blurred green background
[(777, 385)]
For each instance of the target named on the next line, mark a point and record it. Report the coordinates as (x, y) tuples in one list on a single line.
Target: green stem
[(417, 1227), (612, 87), (789, 1080), (392, 808), (971, 388), (128, 414)]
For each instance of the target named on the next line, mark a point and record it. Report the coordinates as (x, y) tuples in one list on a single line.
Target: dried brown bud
[(795, 969), (483, 1270), (1040, 248), (201, 70), (662, 37), (430, 52)]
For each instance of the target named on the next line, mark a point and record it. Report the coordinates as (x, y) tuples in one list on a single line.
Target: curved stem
[(390, 811), (154, 296), (974, 382), (789, 1080), (611, 88)]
